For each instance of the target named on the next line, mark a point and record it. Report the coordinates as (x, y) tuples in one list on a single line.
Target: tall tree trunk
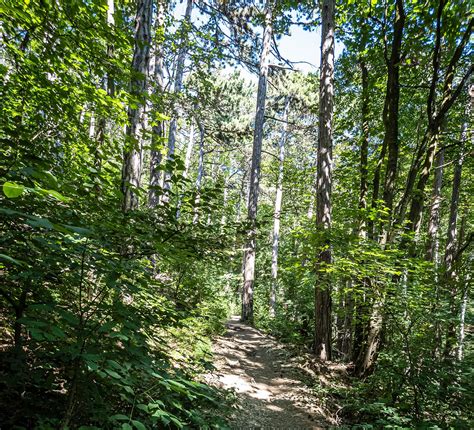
[(132, 163), (158, 131), (322, 303), (435, 119), (465, 289), (200, 172), (178, 86), (250, 250), (451, 244), (390, 115), (109, 88), (187, 162), (367, 356), (432, 246), (277, 211), (357, 300)]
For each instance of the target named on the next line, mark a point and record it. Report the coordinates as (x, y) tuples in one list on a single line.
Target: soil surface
[(269, 388)]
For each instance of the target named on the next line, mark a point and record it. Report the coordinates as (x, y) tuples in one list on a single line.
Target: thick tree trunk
[(158, 131), (277, 211), (178, 86), (323, 305), (250, 249), (132, 163)]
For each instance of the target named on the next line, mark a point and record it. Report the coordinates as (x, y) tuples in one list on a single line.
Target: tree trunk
[(451, 245), (367, 356), (390, 115), (178, 86), (323, 305), (250, 250), (109, 88), (132, 163), (200, 173), (358, 300), (435, 218), (277, 211), (187, 162), (158, 131)]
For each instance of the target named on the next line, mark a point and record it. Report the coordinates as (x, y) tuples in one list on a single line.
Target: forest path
[(269, 388)]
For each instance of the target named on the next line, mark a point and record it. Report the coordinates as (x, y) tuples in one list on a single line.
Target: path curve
[(269, 388)]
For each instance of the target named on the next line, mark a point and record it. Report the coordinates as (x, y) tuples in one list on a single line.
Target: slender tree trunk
[(250, 249), (323, 305), (358, 300), (432, 246), (200, 173), (451, 247), (277, 211), (158, 131), (109, 88), (187, 162), (367, 356), (390, 116), (132, 163), (435, 120), (178, 86)]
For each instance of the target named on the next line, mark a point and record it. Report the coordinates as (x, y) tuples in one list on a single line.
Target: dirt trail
[(269, 389)]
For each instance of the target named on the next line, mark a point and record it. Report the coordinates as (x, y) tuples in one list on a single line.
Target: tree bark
[(432, 246), (390, 115), (277, 211), (158, 131), (367, 356), (132, 164), (200, 172), (109, 88), (451, 242), (323, 305), (250, 249), (358, 301), (178, 86)]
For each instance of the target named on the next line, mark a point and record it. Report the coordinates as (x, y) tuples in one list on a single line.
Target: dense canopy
[(164, 166)]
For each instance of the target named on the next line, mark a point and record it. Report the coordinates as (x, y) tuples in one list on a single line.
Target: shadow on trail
[(269, 388)]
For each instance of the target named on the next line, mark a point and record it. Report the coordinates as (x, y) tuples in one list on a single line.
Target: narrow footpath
[(269, 387)]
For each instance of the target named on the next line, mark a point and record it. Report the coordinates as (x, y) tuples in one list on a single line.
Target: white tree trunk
[(277, 210), (187, 162), (158, 129), (249, 253)]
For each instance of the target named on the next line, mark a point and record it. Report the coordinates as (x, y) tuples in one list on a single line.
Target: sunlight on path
[(269, 392)]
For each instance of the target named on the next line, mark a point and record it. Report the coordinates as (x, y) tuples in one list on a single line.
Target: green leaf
[(119, 417), (126, 426), (41, 222), (12, 260), (53, 193), (13, 190), (113, 374), (138, 425)]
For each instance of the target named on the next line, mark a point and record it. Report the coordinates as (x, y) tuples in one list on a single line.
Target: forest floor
[(272, 387)]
